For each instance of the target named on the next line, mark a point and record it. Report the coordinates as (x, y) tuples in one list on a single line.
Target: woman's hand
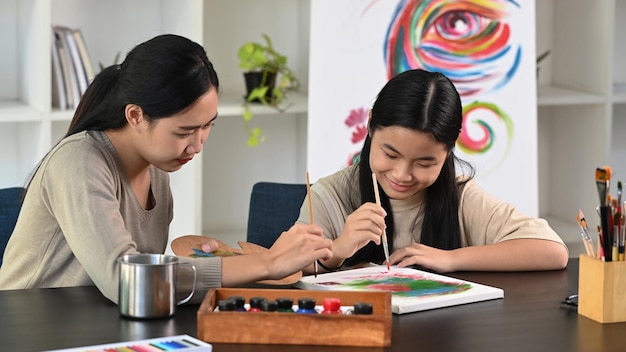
[(296, 248), (422, 255), (365, 224), (209, 246)]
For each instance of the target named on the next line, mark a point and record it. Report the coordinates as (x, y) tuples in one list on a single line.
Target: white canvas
[(443, 291), (348, 66)]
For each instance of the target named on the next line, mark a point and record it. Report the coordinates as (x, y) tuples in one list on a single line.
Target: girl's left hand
[(427, 257)]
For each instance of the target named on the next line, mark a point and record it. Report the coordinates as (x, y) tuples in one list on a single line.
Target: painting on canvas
[(412, 290)]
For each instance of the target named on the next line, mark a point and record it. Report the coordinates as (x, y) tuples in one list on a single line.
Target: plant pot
[(254, 79)]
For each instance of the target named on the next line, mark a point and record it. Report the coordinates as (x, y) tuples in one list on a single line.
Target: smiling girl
[(433, 217)]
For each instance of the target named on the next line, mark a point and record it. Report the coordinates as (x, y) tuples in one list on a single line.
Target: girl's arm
[(513, 255), (496, 237)]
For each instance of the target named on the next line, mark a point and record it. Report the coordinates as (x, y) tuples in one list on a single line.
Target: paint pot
[(306, 306), (256, 304), (331, 306), (147, 285), (240, 303), (285, 305), (362, 308), (269, 306), (227, 305)]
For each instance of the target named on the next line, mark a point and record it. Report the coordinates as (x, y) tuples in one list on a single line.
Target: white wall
[(230, 167)]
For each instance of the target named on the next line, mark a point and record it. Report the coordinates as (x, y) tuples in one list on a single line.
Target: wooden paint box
[(602, 290), (293, 328)]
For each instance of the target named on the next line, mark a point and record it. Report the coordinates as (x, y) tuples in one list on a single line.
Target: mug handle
[(193, 287)]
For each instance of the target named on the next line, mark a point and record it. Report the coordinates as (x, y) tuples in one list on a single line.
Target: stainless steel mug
[(147, 285)]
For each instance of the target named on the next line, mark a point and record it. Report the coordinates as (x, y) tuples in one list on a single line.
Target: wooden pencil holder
[(296, 329), (601, 290)]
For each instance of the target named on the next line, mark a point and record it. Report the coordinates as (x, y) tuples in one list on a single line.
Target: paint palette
[(189, 246), (293, 328), (179, 343)]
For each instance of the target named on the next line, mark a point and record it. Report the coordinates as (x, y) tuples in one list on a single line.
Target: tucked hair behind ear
[(427, 102), (163, 76)]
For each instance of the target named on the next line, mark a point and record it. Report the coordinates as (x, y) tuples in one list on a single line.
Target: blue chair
[(274, 208), (10, 205)]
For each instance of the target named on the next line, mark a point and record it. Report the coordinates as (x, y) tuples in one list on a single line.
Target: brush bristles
[(603, 173), (581, 218)]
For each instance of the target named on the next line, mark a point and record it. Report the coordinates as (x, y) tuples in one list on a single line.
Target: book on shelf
[(84, 54), (59, 99), (77, 61), (71, 84), (65, 67), (412, 290), (619, 87), (74, 65)]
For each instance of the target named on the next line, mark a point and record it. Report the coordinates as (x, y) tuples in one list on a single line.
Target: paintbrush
[(622, 236), (613, 225), (600, 243), (308, 193), (584, 231), (617, 220), (619, 235), (384, 238), (603, 180)]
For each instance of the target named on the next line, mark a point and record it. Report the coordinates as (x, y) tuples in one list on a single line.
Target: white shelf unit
[(208, 199), (29, 125), (578, 122), (24, 101)]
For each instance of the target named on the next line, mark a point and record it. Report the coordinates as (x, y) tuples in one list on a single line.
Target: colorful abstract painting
[(412, 290), (469, 41), (400, 284), (485, 47)]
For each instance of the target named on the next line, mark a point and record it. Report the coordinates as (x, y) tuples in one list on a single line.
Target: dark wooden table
[(529, 318)]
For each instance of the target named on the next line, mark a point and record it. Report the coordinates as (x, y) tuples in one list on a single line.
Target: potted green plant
[(268, 81)]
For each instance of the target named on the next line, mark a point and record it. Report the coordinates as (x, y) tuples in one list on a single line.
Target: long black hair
[(164, 76), (427, 102)]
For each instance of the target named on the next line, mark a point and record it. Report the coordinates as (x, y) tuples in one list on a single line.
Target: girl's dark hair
[(427, 102), (163, 76)]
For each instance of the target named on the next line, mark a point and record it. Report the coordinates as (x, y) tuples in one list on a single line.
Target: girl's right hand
[(365, 224)]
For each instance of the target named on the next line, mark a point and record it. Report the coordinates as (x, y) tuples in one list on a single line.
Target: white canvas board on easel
[(486, 48)]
